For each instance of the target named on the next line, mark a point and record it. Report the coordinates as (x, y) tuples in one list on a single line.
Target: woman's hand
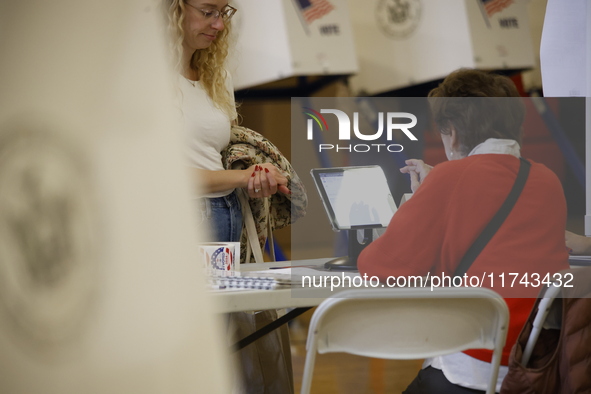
[(418, 171), (265, 181)]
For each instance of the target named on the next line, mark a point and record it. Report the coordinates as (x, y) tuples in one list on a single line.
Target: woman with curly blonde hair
[(199, 32)]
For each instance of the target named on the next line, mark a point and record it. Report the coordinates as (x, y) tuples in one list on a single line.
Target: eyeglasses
[(213, 15)]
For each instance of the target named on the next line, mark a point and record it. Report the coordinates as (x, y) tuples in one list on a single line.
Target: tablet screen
[(355, 197)]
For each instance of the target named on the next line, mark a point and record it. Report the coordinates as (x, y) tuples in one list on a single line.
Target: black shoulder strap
[(497, 220)]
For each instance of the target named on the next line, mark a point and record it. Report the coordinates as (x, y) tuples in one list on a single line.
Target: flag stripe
[(317, 9), (498, 6), (493, 6), (318, 13), (320, 9)]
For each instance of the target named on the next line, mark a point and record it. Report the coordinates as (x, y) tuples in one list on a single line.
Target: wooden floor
[(340, 373)]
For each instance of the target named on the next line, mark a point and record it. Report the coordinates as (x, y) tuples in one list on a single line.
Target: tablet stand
[(349, 263)]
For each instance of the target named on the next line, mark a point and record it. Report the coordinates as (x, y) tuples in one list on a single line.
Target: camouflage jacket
[(246, 148)]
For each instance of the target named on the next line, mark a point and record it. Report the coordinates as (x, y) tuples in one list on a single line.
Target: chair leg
[(308, 369), (496, 360)]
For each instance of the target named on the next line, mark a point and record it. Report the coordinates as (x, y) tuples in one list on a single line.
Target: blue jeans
[(222, 216)]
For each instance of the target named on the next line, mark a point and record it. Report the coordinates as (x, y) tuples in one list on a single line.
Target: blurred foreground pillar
[(100, 285)]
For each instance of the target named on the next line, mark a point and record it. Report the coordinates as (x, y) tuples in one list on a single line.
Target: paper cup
[(219, 258)]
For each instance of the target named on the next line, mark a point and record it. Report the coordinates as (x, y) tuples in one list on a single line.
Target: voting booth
[(287, 38), (405, 43)]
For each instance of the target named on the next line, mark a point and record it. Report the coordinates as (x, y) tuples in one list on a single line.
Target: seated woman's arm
[(412, 242), (578, 244)]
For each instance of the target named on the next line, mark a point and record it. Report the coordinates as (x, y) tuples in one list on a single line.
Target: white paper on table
[(295, 274)]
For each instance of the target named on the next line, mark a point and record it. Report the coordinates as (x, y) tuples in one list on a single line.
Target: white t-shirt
[(206, 128)]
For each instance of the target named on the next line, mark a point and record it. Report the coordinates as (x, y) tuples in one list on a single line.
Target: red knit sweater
[(434, 229)]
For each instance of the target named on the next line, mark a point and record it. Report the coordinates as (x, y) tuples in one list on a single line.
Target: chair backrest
[(408, 323)]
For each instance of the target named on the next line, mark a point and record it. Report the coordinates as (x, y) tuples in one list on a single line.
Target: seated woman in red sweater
[(451, 206)]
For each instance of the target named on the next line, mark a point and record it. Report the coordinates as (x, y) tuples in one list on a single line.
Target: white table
[(248, 300)]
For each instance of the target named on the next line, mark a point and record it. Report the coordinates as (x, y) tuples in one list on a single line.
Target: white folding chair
[(541, 320), (408, 323)]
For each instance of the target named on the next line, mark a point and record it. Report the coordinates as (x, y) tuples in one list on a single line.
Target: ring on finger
[(257, 190)]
